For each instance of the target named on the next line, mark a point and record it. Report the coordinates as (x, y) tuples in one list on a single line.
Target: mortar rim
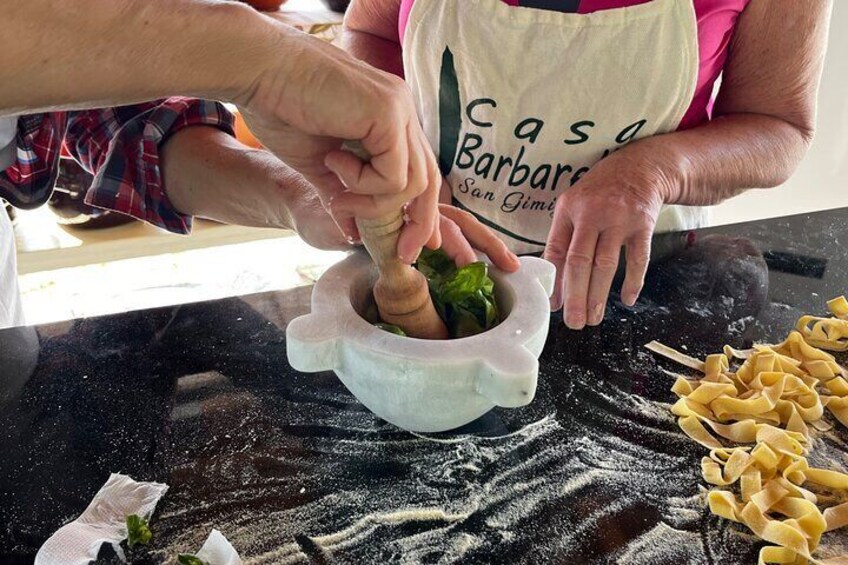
[(331, 298)]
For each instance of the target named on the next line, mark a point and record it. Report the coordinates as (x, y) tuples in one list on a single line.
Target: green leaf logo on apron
[(449, 113)]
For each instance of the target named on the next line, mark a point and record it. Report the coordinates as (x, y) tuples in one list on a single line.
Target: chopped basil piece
[(189, 559), (138, 532), (391, 329)]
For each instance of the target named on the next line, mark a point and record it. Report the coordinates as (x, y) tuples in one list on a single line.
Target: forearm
[(718, 160), (370, 34), (765, 112), (384, 54), (71, 55), (208, 173)]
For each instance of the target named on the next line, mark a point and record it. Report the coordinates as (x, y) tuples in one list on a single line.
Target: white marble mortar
[(420, 385)]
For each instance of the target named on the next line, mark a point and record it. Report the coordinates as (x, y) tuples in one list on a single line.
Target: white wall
[(822, 179)]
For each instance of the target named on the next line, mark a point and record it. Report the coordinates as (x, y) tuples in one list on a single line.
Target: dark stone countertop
[(291, 468)]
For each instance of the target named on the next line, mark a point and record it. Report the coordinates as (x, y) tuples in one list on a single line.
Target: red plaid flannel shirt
[(119, 146)]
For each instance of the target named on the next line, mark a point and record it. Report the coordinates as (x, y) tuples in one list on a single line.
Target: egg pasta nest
[(764, 401)]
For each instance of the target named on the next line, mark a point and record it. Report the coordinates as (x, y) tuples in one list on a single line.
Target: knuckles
[(466, 218), (640, 262), (606, 263), (620, 209), (577, 260), (555, 252)]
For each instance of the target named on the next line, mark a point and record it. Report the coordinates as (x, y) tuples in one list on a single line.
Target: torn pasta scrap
[(768, 397)]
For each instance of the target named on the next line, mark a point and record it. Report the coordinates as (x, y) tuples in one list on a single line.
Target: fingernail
[(575, 321)]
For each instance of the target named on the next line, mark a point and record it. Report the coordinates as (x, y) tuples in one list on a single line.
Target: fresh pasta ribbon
[(776, 384), (770, 479), (767, 397), (827, 333)]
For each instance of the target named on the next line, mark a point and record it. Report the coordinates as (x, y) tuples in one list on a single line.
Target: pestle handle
[(401, 291)]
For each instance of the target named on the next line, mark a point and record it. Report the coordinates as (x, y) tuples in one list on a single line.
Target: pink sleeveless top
[(716, 22)]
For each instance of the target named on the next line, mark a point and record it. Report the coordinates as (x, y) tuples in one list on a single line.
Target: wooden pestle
[(401, 291)]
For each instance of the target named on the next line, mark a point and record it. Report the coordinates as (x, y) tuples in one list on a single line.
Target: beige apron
[(519, 103)]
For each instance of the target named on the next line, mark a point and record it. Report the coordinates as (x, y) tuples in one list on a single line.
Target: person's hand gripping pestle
[(401, 291)]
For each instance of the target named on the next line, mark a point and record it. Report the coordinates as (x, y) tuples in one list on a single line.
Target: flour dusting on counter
[(545, 487)]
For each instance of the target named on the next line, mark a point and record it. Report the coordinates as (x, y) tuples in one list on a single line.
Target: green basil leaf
[(436, 266), (465, 282), (488, 287), (465, 324), (138, 532), (491, 314), (391, 329), (189, 559), (463, 297), (482, 308)]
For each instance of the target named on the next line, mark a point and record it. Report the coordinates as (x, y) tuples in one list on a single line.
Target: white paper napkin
[(218, 551), (104, 521)]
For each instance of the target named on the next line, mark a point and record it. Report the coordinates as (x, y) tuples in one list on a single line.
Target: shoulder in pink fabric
[(716, 22)]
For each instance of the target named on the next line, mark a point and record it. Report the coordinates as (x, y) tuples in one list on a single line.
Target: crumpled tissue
[(218, 551), (104, 521)]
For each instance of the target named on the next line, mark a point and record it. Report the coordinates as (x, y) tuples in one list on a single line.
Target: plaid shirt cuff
[(122, 145), (28, 182)]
